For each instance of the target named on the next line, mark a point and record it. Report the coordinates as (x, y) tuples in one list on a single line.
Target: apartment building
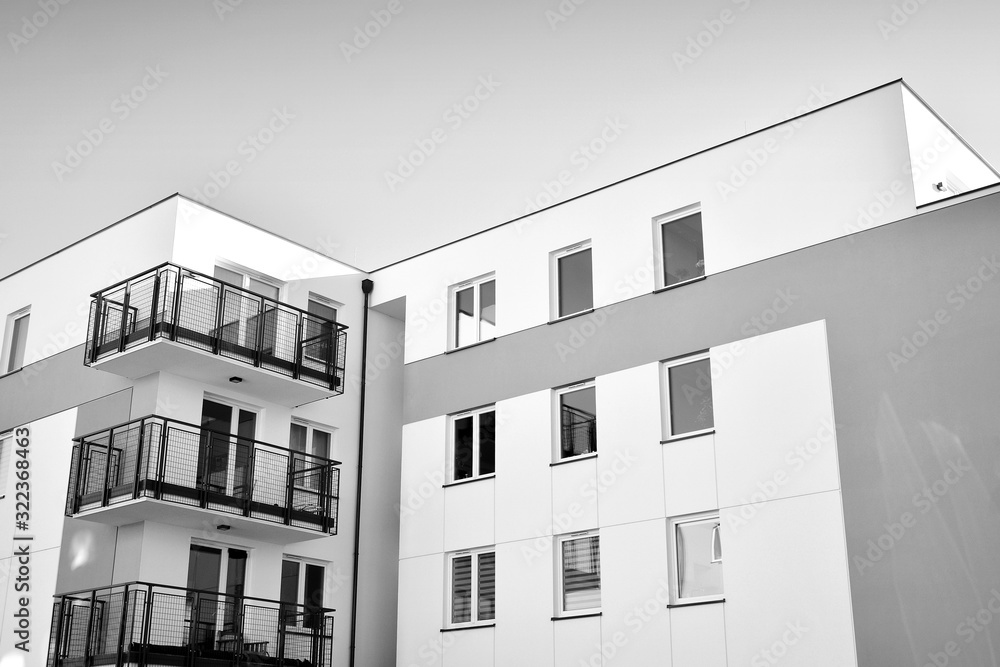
[(181, 412), (735, 410)]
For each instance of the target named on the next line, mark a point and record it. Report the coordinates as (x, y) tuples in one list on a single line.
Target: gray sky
[(352, 143)]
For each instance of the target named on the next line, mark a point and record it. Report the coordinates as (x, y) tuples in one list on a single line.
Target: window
[(472, 581), (227, 436), (573, 280), (577, 420), (15, 340), (302, 584), (688, 402), (474, 311), (318, 337), (681, 250), (473, 443), (248, 280), (310, 441), (215, 569), (696, 546), (579, 573)]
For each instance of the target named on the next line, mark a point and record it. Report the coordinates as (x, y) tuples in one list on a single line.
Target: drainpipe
[(366, 286)]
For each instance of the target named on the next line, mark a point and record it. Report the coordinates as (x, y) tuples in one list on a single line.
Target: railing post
[(138, 459), (122, 338), (121, 630), (220, 307), (290, 487), (299, 342), (90, 629), (59, 629), (154, 306), (251, 477), (161, 464), (95, 344), (258, 352), (176, 314), (106, 491), (77, 495)]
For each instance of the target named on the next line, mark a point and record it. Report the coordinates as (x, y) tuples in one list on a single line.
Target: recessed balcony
[(139, 624), (187, 323), (168, 471)]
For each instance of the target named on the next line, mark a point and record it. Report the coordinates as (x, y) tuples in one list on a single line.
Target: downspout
[(366, 286)]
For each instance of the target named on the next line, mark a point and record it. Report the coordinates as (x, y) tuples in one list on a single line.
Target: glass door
[(215, 619), (227, 442)]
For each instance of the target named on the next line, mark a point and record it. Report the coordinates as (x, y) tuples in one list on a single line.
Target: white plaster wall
[(699, 637), (523, 484), (819, 171), (421, 518), (524, 609), (419, 640), (58, 288)]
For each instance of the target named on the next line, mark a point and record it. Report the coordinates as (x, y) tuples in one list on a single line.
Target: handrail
[(114, 427), (156, 268), (149, 584)]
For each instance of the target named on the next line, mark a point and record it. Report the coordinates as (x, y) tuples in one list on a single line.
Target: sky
[(372, 130)]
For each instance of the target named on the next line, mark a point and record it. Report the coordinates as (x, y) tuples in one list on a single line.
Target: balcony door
[(227, 438), (242, 312), (216, 580)]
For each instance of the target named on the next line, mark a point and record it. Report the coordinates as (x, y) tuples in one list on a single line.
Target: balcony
[(169, 471), (178, 320), (140, 624)]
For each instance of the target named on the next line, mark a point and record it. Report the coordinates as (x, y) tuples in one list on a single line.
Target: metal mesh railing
[(188, 307), (142, 624), (183, 463)]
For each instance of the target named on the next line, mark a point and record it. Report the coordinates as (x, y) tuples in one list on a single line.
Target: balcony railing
[(177, 462), (139, 624), (170, 302)]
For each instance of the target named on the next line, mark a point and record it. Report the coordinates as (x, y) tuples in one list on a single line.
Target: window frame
[(300, 593), (665, 394), (476, 283), (249, 274), (557, 429), (310, 443), (660, 256), (476, 442), (474, 614), (672, 527), (560, 575), (10, 344), (555, 278)]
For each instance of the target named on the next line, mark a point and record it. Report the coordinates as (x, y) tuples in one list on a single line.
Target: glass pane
[(229, 276), (487, 309), (204, 566), (236, 572), (313, 595), (264, 289), (697, 575), (581, 561), (461, 590), (691, 397), (297, 438), (576, 283), (683, 252), (487, 437), (290, 588), (463, 448), (465, 320), (321, 443), (217, 419), (18, 340), (487, 587), (323, 310), (578, 410)]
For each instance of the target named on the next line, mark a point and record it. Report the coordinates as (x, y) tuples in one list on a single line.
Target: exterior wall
[(793, 199), (627, 492)]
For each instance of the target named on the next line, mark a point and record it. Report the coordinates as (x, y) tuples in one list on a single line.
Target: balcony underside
[(206, 520), (187, 361)]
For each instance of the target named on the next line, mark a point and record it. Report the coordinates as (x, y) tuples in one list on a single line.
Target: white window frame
[(659, 260), (449, 577), (667, 425), (224, 547), (474, 413), (312, 427), (557, 395), (8, 341), (453, 291), (673, 524), (554, 258), (559, 541), (326, 301), (300, 594)]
